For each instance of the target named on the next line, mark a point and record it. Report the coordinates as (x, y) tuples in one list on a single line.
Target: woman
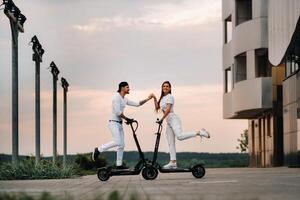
[(174, 128)]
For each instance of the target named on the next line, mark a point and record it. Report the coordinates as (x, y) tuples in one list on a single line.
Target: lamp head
[(64, 83), (16, 11), (54, 69), (21, 19), (35, 40), (41, 52), (8, 5)]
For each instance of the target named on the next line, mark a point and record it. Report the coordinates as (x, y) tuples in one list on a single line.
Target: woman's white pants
[(117, 132), (174, 129)]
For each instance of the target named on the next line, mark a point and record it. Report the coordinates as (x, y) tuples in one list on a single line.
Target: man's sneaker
[(204, 133), (170, 165), (95, 154), (122, 167)]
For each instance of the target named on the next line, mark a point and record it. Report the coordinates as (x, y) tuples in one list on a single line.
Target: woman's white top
[(168, 99), (118, 106)]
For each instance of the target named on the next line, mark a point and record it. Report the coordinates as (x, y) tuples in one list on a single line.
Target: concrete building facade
[(261, 76)]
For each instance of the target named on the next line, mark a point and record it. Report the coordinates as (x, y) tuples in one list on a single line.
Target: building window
[(269, 125), (240, 67), (287, 67), (298, 100), (292, 57), (228, 29), (243, 11), (292, 64), (228, 80), (298, 114), (262, 65)]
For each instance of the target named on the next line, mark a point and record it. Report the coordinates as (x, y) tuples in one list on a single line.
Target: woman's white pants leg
[(174, 129), (117, 132)]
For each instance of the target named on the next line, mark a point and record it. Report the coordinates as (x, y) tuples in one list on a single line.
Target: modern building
[(261, 51)]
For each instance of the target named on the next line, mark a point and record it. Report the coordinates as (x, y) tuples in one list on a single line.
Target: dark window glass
[(262, 65), (243, 11), (240, 68)]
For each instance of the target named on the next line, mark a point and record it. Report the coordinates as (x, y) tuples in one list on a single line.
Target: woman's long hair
[(162, 92)]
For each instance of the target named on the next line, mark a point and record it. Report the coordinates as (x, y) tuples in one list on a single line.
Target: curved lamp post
[(17, 20), (38, 52), (55, 72), (65, 86)]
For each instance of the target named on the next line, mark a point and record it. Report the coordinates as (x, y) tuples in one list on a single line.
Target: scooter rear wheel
[(198, 171), (149, 173), (103, 174)]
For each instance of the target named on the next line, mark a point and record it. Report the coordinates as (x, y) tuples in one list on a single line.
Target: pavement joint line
[(166, 191), (123, 194), (87, 190), (142, 187), (221, 181), (102, 194)]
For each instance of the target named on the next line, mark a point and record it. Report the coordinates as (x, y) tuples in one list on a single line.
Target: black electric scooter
[(149, 172), (197, 170)]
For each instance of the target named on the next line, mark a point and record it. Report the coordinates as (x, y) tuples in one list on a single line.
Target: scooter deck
[(175, 170), (117, 172)]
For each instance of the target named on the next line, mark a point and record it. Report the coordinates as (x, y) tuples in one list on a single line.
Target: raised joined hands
[(151, 96)]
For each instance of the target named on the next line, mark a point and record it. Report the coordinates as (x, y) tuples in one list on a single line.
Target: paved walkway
[(231, 184)]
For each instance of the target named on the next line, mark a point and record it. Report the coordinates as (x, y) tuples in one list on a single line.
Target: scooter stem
[(157, 142)]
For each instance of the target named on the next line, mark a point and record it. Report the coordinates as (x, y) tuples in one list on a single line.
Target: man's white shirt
[(118, 106)]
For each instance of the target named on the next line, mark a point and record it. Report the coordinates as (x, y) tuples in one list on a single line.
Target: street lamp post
[(17, 21), (55, 72), (38, 52), (65, 86)]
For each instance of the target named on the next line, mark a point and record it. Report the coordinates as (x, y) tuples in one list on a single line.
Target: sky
[(96, 44)]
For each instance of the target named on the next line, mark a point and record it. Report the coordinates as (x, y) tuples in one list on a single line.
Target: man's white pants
[(117, 132), (174, 128)]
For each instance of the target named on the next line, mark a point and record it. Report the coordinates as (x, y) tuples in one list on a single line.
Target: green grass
[(27, 169)]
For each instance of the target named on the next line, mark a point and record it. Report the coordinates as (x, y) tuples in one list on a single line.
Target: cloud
[(166, 15), (184, 47)]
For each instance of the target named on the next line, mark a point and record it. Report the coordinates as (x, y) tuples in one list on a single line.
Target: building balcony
[(248, 98), (250, 35)]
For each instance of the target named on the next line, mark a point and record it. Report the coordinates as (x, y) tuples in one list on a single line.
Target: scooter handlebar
[(130, 121), (158, 121)]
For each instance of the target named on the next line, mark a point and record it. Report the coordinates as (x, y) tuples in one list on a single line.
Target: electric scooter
[(149, 172), (197, 170)]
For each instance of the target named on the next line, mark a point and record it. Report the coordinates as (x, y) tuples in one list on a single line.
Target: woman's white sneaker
[(204, 133), (170, 165)]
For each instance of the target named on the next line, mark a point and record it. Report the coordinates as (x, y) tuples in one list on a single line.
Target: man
[(119, 102)]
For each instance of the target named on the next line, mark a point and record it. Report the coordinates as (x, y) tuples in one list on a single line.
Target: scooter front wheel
[(198, 171), (103, 174), (149, 173)]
